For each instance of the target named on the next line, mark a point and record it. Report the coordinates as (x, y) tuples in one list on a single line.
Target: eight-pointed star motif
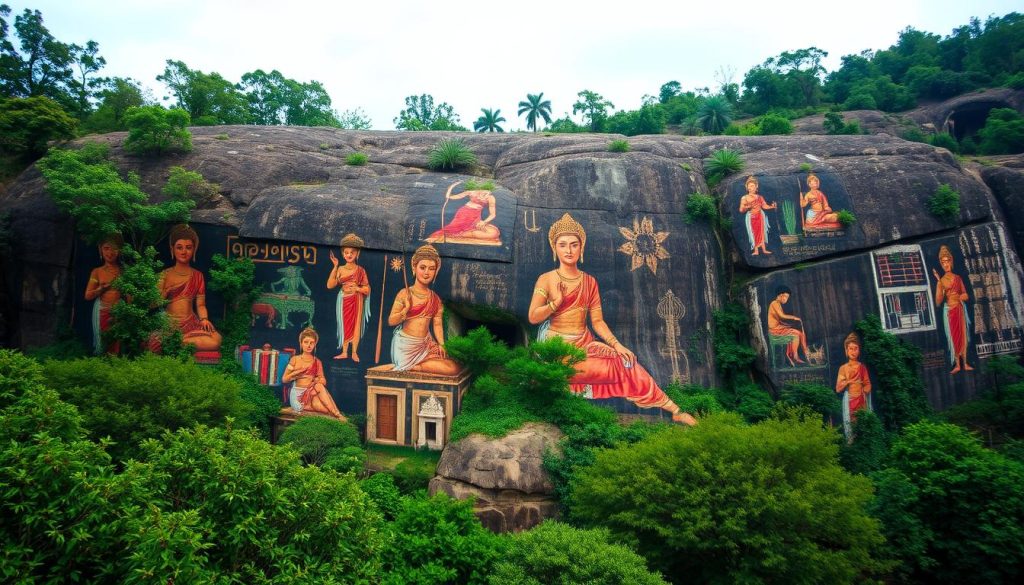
[(643, 244)]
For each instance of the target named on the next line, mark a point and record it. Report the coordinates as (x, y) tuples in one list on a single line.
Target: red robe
[(353, 308), (956, 320), (603, 370), (465, 219), (195, 286)]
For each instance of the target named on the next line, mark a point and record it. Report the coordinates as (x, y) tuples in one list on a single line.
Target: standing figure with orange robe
[(351, 309), (950, 290), (305, 373), (416, 312), (101, 291), (854, 384), (819, 214), (563, 300), (185, 290), (753, 204), (469, 226)]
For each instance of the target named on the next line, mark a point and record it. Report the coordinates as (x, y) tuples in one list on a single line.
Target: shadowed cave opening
[(502, 324), (966, 120)]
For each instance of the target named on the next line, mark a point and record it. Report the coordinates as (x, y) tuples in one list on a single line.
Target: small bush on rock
[(450, 154)]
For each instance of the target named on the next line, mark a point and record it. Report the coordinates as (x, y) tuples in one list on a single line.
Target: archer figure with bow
[(469, 226)]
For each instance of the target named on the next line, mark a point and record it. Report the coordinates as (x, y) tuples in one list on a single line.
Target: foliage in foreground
[(317, 437), (438, 540), (953, 511), (134, 399), (727, 502), (200, 506), (558, 553), (944, 204)]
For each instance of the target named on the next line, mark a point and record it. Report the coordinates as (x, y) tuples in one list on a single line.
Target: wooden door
[(387, 417)]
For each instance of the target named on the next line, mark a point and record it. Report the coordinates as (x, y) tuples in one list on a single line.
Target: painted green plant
[(789, 217)]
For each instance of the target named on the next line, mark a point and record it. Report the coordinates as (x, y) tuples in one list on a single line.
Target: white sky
[(373, 53)]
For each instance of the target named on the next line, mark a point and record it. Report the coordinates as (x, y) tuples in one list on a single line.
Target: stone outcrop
[(506, 476)]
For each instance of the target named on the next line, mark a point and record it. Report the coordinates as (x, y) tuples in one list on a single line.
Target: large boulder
[(505, 476)]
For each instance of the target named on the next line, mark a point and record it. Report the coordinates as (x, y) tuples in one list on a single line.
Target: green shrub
[(770, 124), (868, 448), (414, 474), (316, 437), (722, 163), (618, 146), (860, 100), (558, 553), (439, 541), (846, 217), (154, 130), (62, 505), (356, 159), (384, 493), (944, 204), (953, 511), (235, 280), (834, 124), (806, 167), (131, 400), (726, 502), (818, 397), (701, 207), (450, 154), (225, 506), (27, 125), (261, 402), (345, 460), (914, 135), (481, 185), (944, 140)]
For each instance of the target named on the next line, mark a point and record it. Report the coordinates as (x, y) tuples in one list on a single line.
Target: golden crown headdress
[(352, 241), (567, 226)]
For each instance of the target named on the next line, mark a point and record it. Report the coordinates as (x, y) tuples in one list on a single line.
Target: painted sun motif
[(396, 264), (643, 244)]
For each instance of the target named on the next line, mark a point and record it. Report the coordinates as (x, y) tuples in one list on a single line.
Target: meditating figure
[(753, 204), (305, 372), (468, 226), (853, 383), (950, 290), (819, 215), (101, 291), (351, 310), (416, 312), (185, 290), (562, 302), (777, 326)]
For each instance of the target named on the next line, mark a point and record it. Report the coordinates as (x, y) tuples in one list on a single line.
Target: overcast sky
[(371, 54)]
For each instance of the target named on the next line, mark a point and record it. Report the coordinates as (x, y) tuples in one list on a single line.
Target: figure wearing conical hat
[(951, 294), (563, 300), (351, 309), (416, 312)]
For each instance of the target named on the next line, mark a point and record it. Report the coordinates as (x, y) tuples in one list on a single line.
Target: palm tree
[(714, 115), (489, 121), (534, 107)]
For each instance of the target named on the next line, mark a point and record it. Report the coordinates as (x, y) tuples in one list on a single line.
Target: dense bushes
[(953, 511), (131, 400), (198, 506), (316, 437), (727, 502), (558, 553)]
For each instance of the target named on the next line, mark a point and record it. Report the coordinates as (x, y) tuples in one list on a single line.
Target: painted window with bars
[(904, 292)]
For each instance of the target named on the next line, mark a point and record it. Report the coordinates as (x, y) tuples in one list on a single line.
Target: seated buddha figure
[(184, 288), (818, 214), (564, 299)]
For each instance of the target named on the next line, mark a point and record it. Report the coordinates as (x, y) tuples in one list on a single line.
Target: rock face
[(287, 197), (506, 476)]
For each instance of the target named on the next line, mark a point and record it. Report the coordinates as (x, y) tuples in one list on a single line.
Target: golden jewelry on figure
[(416, 294), (566, 279), (551, 305), (564, 227), (541, 292), (944, 252)]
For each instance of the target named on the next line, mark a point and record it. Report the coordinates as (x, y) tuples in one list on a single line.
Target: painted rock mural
[(364, 272)]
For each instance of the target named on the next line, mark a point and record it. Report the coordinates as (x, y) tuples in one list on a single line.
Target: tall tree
[(40, 66), (714, 115), (594, 108), (208, 98), (669, 90), (355, 119), (116, 96), (265, 94), (535, 107), (84, 85), (489, 121), (420, 113)]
